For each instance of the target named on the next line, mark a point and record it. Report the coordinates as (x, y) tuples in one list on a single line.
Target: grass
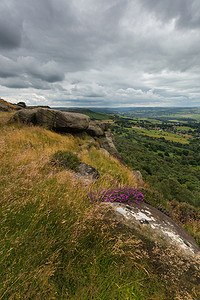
[(66, 160), (4, 117), (193, 227), (55, 245)]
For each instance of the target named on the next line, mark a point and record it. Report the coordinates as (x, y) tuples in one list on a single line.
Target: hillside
[(6, 106), (158, 113), (55, 244), (94, 115)]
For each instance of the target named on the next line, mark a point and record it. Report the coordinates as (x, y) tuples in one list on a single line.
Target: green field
[(186, 128), (160, 134), (177, 117)]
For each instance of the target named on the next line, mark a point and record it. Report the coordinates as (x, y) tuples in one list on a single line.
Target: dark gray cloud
[(15, 83), (49, 71), (109, 53), (9, 36), (10, 26)]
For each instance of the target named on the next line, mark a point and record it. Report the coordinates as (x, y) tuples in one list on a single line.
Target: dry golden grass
[(193, 227), (5, 116)]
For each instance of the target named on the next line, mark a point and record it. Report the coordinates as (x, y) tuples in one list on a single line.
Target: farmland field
[(183, 138)]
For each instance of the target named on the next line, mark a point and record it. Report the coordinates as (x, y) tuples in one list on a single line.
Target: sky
[(100, 53)]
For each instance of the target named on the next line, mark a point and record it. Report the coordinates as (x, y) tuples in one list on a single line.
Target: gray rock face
[(7, 106), (103, 125), (107, 143), (3, 107), (52, 119), (104, 152), (95, 130), (27, 116), (86, 170), (62, 121), (137, 176), (156, 226), (21, 104)]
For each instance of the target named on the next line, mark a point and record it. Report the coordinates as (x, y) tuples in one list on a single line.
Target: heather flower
[(126, 194)]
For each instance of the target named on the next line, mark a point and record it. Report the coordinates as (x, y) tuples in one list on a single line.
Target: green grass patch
[(66, 159), (161, 134)]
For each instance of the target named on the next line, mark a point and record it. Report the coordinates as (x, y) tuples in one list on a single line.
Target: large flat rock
[(53, 119), (156, 226)]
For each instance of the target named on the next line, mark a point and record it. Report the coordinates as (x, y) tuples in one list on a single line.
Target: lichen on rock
[(156, 226)]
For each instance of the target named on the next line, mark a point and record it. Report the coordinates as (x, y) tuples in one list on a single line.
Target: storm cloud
[(100, 53)]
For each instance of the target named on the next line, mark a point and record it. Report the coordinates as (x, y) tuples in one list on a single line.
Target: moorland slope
[(55, 244)]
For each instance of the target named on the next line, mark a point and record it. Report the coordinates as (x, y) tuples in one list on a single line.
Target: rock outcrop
[(27, 116), (94, 130), (88, 171), (155, 226), (4, 107), (104, 152), (107, 143), (62, 121), (137, 177), (97, 128), (21, 104), (53, 119), (7, 106), (86, 174)]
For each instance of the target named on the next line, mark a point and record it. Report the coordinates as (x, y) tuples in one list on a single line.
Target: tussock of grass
[(66, 159), (54, 244)]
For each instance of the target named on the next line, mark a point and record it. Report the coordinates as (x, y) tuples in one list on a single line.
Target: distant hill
[(160, 113), (94, 115)]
